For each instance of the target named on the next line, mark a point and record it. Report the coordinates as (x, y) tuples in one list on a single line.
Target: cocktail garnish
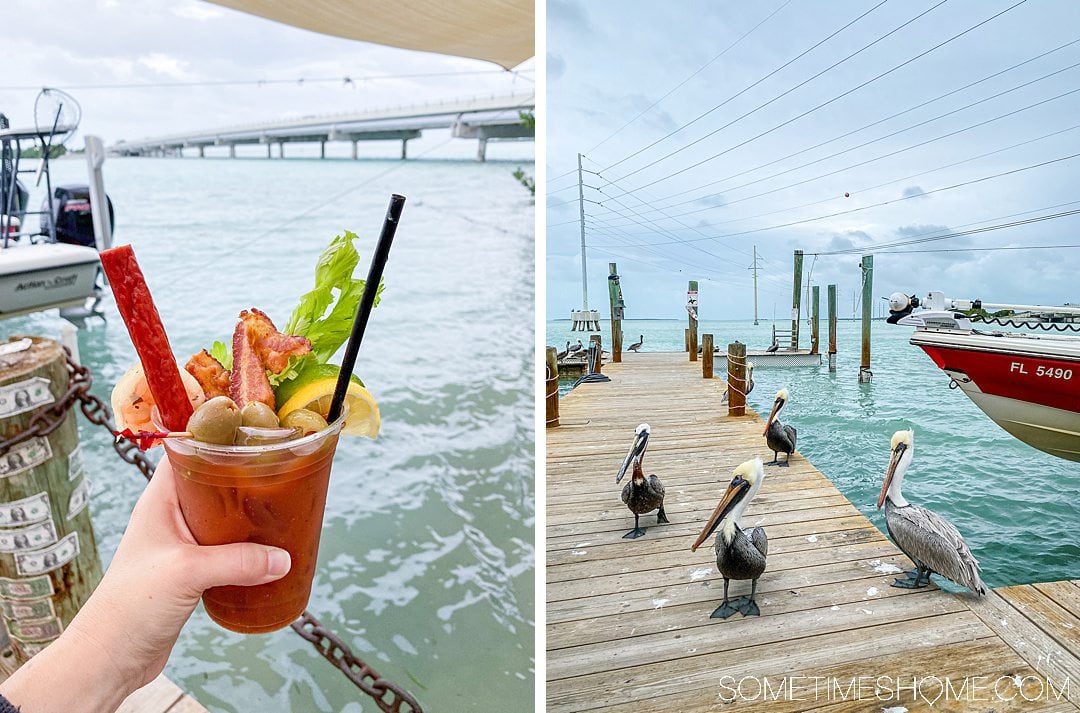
[(211, 375), (147, 439)]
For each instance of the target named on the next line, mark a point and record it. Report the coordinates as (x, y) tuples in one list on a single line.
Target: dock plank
[(628, 625)]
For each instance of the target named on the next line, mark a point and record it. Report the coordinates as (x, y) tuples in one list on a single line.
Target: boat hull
[(1028, 386), (45, 276)]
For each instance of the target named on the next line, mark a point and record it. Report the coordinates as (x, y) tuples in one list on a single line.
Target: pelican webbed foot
[(916, 583), (724, 611), (775, 459), (748, 607), (634, 534), (661, 516)]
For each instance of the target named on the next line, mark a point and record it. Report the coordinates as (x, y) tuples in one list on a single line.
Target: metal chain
[(390, 697)]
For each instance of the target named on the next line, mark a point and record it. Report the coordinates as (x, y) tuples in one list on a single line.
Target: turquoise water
[(426, 562), (1016, 506)]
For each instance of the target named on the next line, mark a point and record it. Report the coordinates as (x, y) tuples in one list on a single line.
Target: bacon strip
[(211, 375), (248, 381), (273, 347), (148, 335)]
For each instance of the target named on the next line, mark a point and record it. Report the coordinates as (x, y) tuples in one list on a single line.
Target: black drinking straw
[(367, 301)]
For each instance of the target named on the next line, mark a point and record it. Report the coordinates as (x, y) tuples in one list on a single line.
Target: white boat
[(1026, 382), (56, 266)]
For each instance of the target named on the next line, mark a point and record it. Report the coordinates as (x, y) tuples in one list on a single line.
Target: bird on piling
[(637, 345), (641, 494), (780, 438), (740, 554), (929, 540), (564, 352)]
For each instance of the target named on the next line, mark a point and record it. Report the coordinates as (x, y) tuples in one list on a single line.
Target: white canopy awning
[(499, 31)]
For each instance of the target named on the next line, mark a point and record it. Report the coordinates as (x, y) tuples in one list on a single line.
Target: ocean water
[(426, 562), (1016, 506)]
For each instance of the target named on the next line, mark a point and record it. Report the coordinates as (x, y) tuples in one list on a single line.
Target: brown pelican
[(740, 554), (773, 347), (564, 352), (781, 438), (637, 345), (576, 349), (930, 540), (641, 494)]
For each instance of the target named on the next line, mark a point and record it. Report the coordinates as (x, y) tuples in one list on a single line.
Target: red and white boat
[(1027, 382)]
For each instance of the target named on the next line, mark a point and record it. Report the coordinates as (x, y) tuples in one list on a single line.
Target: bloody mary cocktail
[(271, 495)]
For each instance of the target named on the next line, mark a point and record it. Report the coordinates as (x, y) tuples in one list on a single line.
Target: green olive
[(215, 421), (305, 419), (258, 415)]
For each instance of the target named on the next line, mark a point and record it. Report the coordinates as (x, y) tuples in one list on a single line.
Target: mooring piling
[(865, 375), (617, 306), (692, 309), (815, 327), (832, 328), (736, 379), (796, 300), (706, 356), (551, 386)]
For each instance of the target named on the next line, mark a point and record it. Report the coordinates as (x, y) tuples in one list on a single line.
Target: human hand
[(123, 635)]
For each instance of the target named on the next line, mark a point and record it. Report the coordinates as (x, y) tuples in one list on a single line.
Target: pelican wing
[(656, 486), (934, 541), (761, 542), (790, 431)]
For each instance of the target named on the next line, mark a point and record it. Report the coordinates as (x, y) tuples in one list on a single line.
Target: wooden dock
[(160, 696), (628, 627)]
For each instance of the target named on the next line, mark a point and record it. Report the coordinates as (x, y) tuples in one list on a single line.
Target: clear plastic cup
[(270, 494)]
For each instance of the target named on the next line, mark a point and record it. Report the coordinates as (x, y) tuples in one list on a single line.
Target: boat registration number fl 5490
[(1055, 372)]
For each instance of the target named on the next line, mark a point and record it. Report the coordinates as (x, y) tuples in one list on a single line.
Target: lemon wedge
[(363, 418)]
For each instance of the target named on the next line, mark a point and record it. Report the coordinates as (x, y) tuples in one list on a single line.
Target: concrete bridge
[(485, 118)]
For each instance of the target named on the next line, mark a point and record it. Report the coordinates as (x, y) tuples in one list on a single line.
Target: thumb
[(242, 563)]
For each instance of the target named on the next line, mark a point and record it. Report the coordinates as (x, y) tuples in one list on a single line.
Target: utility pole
[(755, 268), (796, 294), (581, 211)]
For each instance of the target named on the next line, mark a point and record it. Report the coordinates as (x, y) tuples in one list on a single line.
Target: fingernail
[(278, 562)]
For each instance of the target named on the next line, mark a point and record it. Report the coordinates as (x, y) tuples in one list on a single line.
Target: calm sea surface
[(426, 562), (1016, 506)]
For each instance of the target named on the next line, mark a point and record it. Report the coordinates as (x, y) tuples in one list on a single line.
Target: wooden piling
[(53, 564), (686, 335), (691, 294), (551, 388), (596, 342), (616, 304), (815, 327), (865, 375), (796, 300), (736, 379), (706, 356), (832, 328)]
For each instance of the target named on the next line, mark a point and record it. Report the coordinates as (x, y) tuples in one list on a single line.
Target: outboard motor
[(72, 215)]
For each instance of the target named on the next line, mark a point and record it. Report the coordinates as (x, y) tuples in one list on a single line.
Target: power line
[(976, 250), (750, 86), (875, 159), (949, 235), (344, 80), (836, 98), (894, 200), (698, 71), (880, 138)]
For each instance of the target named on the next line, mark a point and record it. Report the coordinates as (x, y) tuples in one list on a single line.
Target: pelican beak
[(735, 492), (637, 450), (893, 462), (777, 405)]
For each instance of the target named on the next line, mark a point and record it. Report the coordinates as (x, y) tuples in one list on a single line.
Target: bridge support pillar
[(404, 149), (354, 149), (202, 151), (232, 150), (268, 147), (481, 150), (281, 149), (322, 149)]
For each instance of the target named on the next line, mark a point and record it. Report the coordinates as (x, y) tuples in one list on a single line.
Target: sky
[(684, 127), (144, 42)]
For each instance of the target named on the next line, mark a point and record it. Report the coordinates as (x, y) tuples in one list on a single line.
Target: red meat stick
[(148, 335)]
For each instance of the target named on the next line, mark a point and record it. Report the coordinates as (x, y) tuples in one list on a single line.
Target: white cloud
[(197, 11), (161, 63)]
